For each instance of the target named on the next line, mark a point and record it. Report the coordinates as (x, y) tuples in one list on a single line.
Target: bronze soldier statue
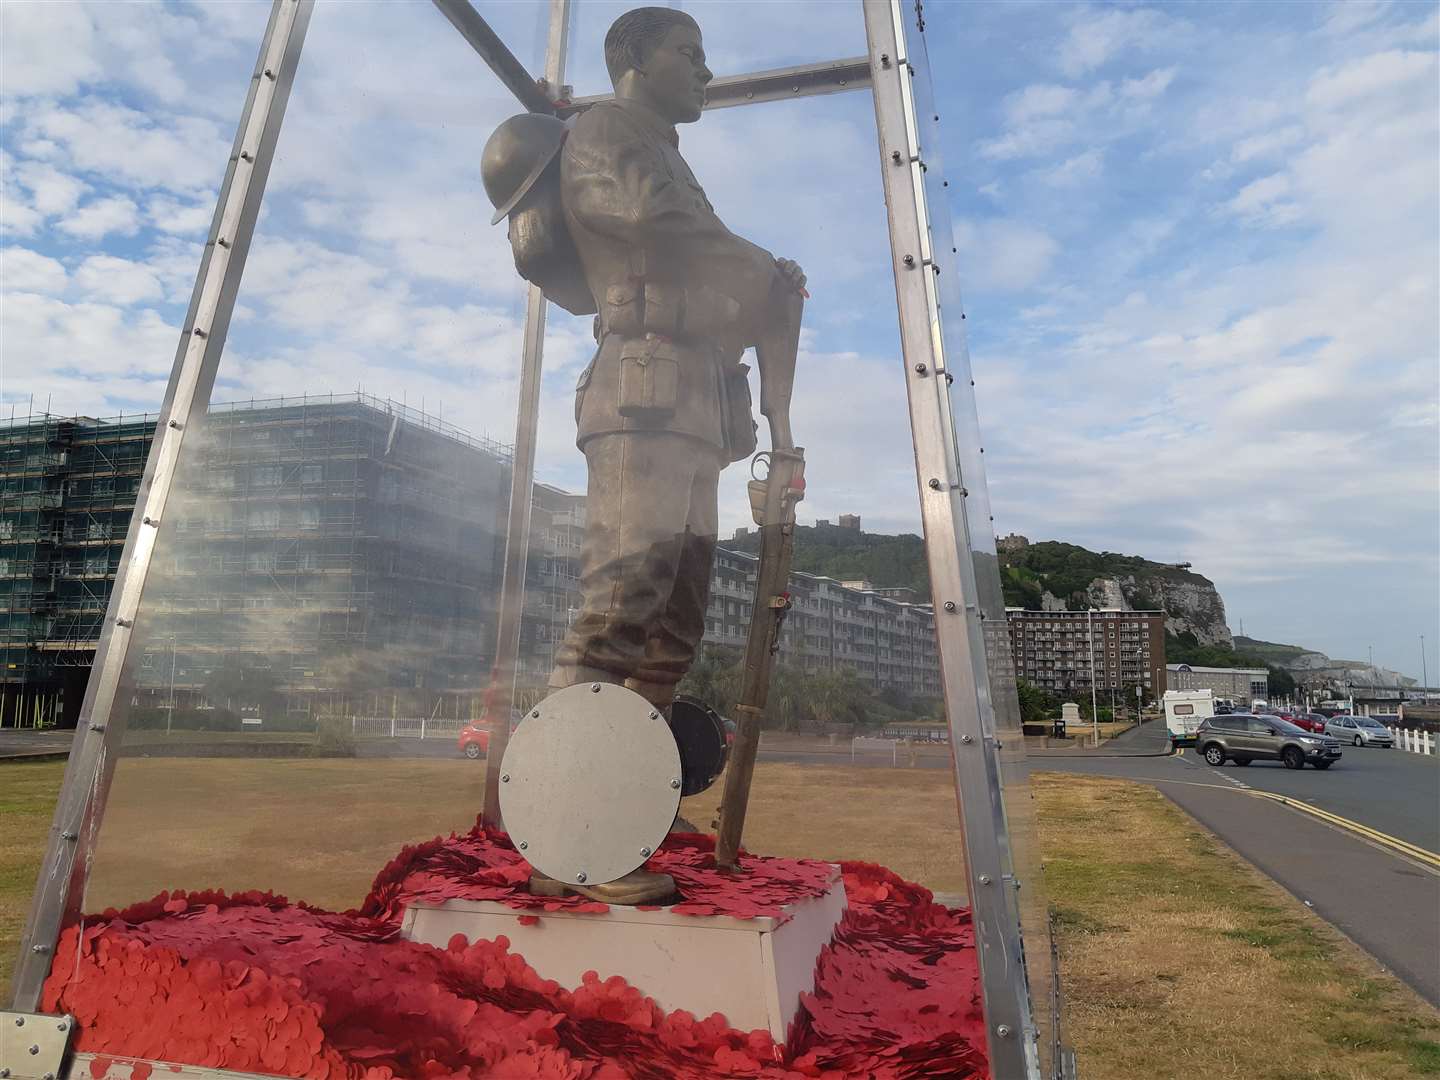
[(665, 404)]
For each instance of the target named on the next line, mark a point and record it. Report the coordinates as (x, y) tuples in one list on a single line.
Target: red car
[(1313, 722), (474, 739)]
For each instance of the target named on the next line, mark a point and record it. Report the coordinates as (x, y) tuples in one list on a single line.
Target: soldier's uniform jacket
[(677, 292)]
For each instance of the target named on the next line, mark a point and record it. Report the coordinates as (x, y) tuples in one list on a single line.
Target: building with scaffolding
[(345, 541), (307, 537)]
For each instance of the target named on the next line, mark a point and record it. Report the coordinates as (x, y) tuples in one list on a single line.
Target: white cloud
[(45, 49), (51, 191), (1098, 36), (1148, 86), (1267, 144), (1003, 254), (1079, 169), (23, 270), (100, 217), (173, 216), (116, 280)]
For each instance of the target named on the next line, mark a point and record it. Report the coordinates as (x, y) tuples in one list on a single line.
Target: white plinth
[(752, 971)]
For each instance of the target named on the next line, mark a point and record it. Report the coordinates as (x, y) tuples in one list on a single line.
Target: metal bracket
[(33, 1045)]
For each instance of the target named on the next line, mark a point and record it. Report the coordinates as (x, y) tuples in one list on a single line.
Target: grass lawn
[(1159, 923), (1179, 959)]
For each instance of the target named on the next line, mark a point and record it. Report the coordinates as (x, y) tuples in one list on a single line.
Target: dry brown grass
[(318, 829), (1179, 959)]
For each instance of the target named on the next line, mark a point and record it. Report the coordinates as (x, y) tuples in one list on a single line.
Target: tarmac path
[(1384, 900)]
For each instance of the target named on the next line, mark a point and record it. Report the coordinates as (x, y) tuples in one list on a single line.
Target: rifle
[(772, 503)]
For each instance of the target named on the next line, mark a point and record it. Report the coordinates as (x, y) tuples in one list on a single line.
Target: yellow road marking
[(1405, 848)]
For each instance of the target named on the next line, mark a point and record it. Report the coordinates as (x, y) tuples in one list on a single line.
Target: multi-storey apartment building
[(331, 548), (1067, 651)]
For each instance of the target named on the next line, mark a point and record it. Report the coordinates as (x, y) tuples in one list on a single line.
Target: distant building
[(346, 554), (850, 521), (1065, 651), (1240, 685), (1012, 542)]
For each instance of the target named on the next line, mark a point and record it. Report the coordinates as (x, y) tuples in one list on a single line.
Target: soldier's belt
[(637, 306)]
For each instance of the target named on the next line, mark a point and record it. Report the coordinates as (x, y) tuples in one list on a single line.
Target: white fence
[(406, 727), (868, 744), (1417, 742)]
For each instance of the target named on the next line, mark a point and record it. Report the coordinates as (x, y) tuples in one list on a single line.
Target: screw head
[(34, 1048), (40, 948), (934, 484), (920, 369), (675, 783), (984, 879), (594, 687), (1003, 1030), (909, 260), (535, 715), (19, 1021), (966, 739), (949, 605), (63, 1025), (523, 845), (505, 778), (68, 835), (645, 851), (580, 877)]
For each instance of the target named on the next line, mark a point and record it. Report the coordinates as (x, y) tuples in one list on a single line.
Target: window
[(311, 474), (97, 564), (309, 517), (1184, 710), (102, 486), (265, 475), (261, 518)]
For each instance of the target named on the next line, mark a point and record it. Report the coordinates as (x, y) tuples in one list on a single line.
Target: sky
[(1197, 243)]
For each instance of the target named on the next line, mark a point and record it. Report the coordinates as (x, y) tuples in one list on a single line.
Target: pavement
[(34, 745), (1384, 900)]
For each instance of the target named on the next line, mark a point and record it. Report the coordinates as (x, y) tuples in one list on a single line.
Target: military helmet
[(515, 156)]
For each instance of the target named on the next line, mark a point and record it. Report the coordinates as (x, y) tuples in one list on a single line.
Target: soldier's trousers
[(651, 523)]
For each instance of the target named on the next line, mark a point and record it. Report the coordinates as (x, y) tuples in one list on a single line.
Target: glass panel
[(311, 685), (740, 36), (320, 618), (1004, 712)]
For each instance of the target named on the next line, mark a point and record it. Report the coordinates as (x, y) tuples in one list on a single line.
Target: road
[(1383, 901)]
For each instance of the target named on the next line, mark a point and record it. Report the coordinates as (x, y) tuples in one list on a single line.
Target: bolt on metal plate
[(562, 795), (33, 1045)]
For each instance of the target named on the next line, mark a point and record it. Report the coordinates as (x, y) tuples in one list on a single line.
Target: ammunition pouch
[(649, 379)]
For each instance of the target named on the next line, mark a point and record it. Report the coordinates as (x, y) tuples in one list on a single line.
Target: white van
[(1185, 710)]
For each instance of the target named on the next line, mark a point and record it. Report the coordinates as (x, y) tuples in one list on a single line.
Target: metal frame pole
[(522, 481), (1009, 1025), (64, 873)]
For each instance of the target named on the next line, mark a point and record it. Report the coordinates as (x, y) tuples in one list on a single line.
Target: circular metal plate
[(700, 735), (590, 783)]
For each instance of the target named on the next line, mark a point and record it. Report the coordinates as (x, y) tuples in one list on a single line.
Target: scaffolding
[(306, 532)]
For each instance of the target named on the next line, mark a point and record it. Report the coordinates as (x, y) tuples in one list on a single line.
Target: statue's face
[(676, 75)]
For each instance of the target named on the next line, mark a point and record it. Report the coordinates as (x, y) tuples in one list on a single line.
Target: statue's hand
[(791, 276)]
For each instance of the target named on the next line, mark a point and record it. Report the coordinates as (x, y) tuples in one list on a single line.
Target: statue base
[(752, 971)]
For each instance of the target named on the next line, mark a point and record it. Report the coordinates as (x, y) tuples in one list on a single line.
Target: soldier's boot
[(636, 887)]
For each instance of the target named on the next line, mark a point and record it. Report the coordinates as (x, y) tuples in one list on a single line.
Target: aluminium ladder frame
[(981, 758)]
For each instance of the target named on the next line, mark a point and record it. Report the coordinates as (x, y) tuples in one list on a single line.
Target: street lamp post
[(1094, 709)]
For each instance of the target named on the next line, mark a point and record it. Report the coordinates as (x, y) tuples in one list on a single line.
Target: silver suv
[(1242, 739)]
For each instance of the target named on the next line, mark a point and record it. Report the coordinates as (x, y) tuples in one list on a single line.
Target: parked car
[(1313, 722), (1243, 738), (1360, 731), (474, 740)]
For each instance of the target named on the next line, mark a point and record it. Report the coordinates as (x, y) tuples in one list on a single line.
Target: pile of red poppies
[(253, 983)]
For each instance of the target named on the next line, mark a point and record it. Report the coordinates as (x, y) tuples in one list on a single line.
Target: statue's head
[(655, 56)]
